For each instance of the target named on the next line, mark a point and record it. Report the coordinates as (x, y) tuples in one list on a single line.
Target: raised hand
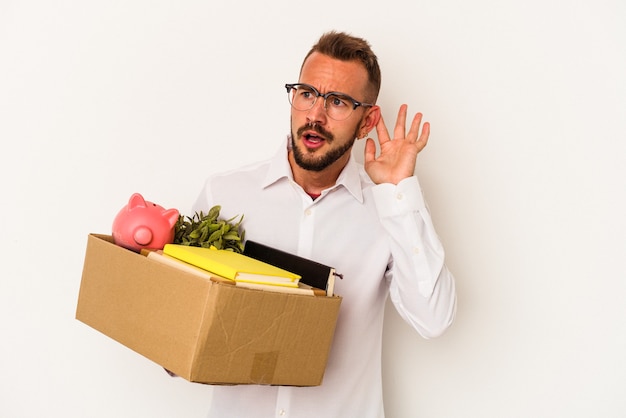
[(397, 157)]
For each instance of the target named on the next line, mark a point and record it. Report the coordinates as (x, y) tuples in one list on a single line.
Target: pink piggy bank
[(141, 224)]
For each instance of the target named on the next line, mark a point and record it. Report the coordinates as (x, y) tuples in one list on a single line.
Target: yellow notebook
[(232, 265)]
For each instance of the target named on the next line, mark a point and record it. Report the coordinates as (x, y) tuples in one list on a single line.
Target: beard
[(309, 161)]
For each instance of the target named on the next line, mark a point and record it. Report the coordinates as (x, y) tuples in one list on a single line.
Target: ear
[(136, 200), (369, 121), (171, 216)]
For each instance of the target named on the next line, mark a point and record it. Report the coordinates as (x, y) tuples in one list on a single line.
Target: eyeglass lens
[(337, 106)]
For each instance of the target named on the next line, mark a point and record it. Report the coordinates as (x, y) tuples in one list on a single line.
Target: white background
[(524, 174)]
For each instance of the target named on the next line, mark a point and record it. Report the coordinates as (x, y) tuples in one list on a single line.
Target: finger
[(381, 131), (423, 139), (370, 150), (415, 128), (400, 129)]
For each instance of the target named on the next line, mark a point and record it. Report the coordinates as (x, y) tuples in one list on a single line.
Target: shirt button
[(400, 196), (308, 212), (282, 412), (416, 250)]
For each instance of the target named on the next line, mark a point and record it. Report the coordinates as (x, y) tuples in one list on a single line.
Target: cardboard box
[(204, 331)]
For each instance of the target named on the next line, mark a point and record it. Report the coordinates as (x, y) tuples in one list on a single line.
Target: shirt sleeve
[(421, 287)]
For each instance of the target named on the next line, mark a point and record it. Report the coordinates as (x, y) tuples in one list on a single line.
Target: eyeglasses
[(339, 106)]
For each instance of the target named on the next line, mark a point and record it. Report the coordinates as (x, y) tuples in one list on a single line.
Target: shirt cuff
[(393, 200)]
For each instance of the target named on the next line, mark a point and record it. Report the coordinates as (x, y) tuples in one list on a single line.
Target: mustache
[(316, 128)]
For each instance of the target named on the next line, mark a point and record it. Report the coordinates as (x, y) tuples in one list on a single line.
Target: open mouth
[(312, 138)]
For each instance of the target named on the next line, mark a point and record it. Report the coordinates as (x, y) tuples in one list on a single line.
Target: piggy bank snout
[(143, 236)]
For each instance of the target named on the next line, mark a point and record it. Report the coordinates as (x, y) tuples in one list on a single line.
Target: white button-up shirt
[(379, 237)]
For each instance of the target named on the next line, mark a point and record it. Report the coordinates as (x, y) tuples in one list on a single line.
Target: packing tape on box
[(263, 367)]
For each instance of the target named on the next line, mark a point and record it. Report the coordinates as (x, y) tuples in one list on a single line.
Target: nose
[(317, 114)]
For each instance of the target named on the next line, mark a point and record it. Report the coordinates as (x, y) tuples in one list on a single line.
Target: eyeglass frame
[(355, 103)]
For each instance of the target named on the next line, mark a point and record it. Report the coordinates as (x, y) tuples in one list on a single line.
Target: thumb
[(370, 150)]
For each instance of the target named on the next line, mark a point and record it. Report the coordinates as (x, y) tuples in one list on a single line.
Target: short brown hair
[(345, 47)]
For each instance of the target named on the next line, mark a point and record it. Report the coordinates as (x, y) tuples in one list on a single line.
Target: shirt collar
[(279, 168)]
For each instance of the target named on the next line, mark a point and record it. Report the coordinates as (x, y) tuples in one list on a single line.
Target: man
[(369, 222)]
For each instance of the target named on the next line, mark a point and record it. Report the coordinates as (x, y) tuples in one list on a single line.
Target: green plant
[(209, 230)]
